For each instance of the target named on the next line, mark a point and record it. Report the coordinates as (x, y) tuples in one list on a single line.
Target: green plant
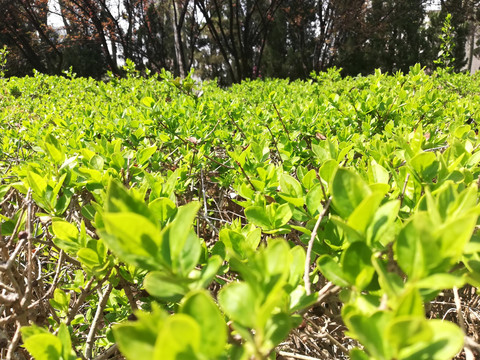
[(445, 56), (231, 225), (3, 61)]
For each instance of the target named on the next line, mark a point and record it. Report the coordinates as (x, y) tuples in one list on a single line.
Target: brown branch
[(91, 334)]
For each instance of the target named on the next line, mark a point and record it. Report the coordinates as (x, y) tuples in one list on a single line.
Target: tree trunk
[(177, 36)]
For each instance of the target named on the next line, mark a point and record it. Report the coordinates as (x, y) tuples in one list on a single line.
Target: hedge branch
[(306, 275), (91, 334)]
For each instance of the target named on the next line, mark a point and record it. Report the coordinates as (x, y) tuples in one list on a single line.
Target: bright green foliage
[(3, 60), (197, 331), (445, 57), (45, 346), (262, 307), (194, 211)]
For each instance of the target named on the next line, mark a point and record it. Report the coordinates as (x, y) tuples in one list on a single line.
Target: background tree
[(290, 45), (232, 40), (391, 38), (239, 30), (34, 44)]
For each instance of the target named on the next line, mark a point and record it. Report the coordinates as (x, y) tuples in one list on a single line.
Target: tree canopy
[(232, 40)]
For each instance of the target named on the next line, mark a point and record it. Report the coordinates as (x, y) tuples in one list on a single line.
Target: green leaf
[(147, 101), (277, 258), (377, 173), (276, 330), (90, 259), (295, 201), (179, 339), (189, 256), (44, 347), (145, 154), (407, 330), (415, 246), (369, 330), (282, 215), (382, 227), (350, 233), (410, 303), (134, 239), (309, 179), (314, 200), (290, 186), (176, 234), (357, 354), (235, 242), (348, 190), (120, 200), (136, 339), (357, 266), (163, 209), (425, 165), (253, 238), (445, 343), (213, 338), (321, 154), (66, 236), (240, 303), (210, 270), (300, 300), (165, 286), (332, 271), (390, 282), (328, 170), (440, 282), (37, 183), (455, 234), (60, 300), (97, 163), (258, 216), (363, 214), (64, 336), (297, 267), (53, 149), (28, 331)]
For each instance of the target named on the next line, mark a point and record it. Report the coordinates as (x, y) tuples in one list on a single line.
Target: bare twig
[(13, 345), (472, 344), (458, 305), (80, 301), (109, 352), (218, 162), (327, 290), (461, 321), (211, 131), (246, 176), (402, 195), (6, 266), (91, 334), (128, 292), (281, 120), (57, 273), (274, 143), (330, 337), (205, 210), (236, 125), (296, 356), (30, 264), (306, 275)]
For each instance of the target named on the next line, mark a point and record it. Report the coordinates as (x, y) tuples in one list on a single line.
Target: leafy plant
[(244, 223), (445, 56)]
